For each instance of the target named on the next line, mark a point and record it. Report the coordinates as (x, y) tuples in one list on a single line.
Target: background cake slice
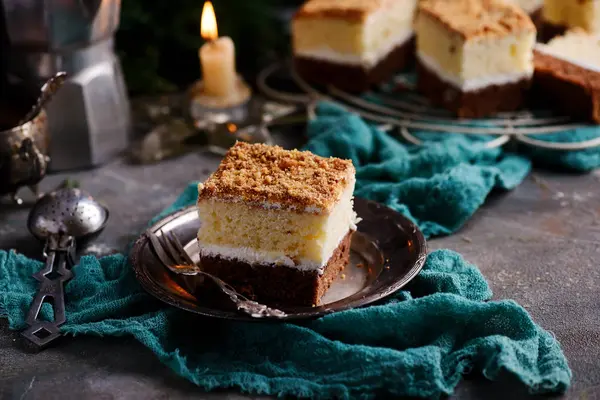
[(277, 224), (352, 44), (474, 57), (558, 16), (567, 75)]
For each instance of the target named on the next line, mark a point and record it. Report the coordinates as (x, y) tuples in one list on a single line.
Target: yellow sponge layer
[(262, 235)]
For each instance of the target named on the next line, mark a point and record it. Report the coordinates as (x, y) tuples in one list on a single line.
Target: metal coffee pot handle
[(59, 252)]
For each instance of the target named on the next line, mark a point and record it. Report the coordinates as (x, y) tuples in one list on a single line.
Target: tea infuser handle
[(52, 278)]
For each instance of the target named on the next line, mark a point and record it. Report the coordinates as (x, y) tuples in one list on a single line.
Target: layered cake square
[(352, 44), (567, 75), (474, 57), (558, 16), (277, 224)]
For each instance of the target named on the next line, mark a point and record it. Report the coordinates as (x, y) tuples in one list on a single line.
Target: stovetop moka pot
[(89, 119)]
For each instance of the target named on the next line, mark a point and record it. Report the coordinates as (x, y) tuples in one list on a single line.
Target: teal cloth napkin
[(417, 343), (439, 186)]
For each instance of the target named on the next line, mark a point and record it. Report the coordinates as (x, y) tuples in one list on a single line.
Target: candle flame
[(208, 22), (232, 128)]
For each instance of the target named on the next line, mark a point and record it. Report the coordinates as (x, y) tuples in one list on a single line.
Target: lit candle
[(217, 57)]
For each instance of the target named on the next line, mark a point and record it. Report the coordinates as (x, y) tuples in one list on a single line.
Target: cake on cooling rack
[(277, 224), (567, 74), (474, 57), (352, 44), (558, 16)]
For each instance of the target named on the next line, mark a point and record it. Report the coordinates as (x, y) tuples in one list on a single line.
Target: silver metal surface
[(414, 113), (60, 25), (23, 156), (90, 119), (24, 145), (59, 219), (25, 64), (67, 211)]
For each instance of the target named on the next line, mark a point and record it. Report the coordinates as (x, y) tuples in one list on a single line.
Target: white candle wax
[(217, 59)]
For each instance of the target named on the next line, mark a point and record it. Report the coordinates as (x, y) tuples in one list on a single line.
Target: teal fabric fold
[(419, 342), (439, 186)]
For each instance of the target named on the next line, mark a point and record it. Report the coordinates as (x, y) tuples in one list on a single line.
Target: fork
[(172, 255)]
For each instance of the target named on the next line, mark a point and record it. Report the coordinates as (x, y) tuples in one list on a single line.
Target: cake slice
[(567, 75), (277, 224), (352, 44), (558, 16), (474, 57)]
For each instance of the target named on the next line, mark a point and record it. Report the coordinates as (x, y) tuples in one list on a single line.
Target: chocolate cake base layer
[(547, 31), (280, 285), (567, 88), (475, 104), (355, 78)]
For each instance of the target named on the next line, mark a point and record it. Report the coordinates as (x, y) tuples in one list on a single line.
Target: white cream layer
[(366, 59), (338, 223), (473, 84), (251, 256)]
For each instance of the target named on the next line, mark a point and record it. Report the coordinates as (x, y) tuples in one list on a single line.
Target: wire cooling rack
[(397, 106)]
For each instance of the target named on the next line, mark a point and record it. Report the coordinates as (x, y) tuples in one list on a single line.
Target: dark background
[(158, 41)]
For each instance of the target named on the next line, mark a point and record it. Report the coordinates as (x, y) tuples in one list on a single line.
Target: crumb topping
[(262, 175), (474, 18), (351, 10)]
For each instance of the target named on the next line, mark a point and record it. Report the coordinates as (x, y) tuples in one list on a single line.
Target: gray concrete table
[(538, 245)]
